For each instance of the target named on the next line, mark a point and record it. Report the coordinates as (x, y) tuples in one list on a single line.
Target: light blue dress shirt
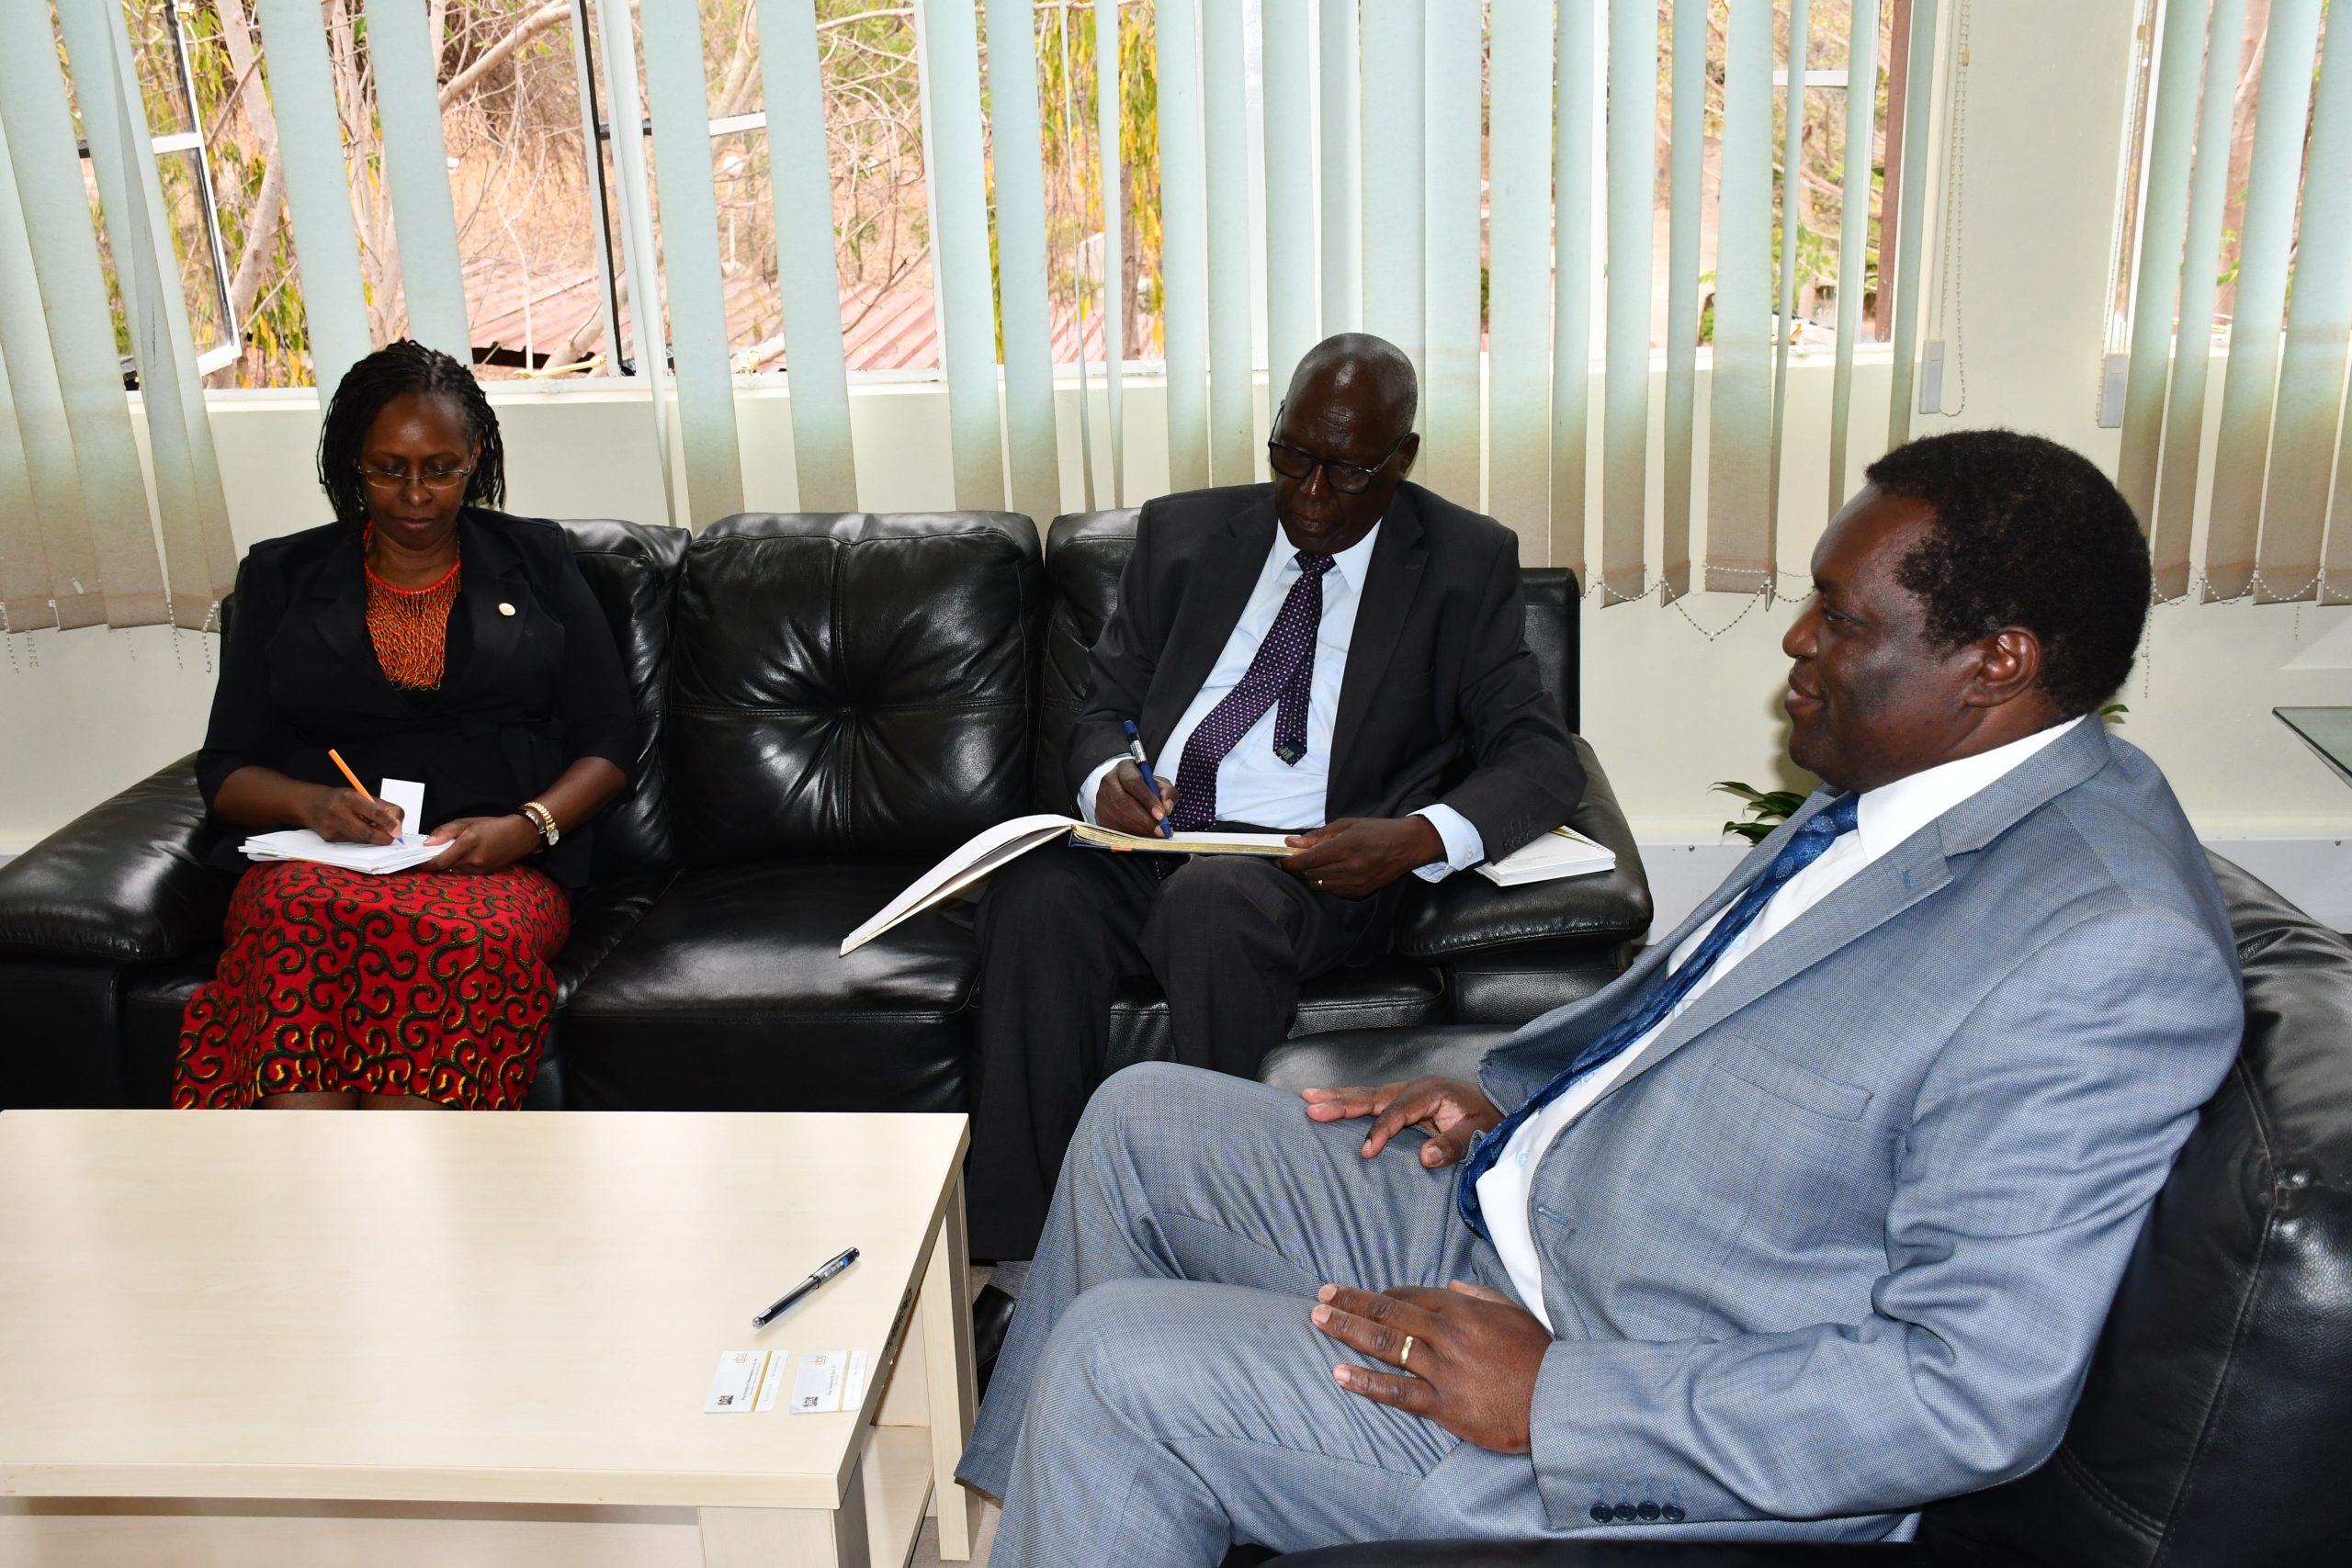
[(1252, 783)]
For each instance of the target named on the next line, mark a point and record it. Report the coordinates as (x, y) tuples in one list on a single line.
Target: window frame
[(190, 143)]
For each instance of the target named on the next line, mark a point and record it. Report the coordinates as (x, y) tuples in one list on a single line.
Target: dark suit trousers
[(1228, 937)]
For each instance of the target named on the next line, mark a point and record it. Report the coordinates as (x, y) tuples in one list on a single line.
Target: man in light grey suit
[(1810, 1219)]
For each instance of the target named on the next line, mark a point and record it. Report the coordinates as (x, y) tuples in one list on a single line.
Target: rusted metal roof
[(530, 317)]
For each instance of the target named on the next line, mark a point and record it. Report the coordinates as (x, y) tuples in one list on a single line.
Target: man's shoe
[(991, 1316)]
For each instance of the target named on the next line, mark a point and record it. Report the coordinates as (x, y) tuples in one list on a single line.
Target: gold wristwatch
[(544, 820)]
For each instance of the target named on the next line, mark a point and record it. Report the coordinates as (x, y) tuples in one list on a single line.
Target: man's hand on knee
[(1452, 1110), (1468, 1356), (1357, 856)]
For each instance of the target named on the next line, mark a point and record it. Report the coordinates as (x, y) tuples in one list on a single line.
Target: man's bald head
[(1343, 440), (1369, 372)]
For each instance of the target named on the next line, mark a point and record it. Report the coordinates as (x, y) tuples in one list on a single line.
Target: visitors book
[(1560, 853), (1008, 841)]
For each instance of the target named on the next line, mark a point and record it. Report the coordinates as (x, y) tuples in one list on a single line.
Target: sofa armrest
[(1466, 913), (122, 883), (1343, 1057)]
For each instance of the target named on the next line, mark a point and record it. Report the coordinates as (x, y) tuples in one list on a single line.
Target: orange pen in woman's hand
[(344, 768)]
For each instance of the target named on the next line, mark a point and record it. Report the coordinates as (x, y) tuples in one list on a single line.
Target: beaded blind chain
[(409, 628)]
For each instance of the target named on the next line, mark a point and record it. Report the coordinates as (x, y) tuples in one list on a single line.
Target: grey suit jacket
[(1841, 1240)]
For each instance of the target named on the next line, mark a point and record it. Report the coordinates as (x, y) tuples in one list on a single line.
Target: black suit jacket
[(1441, 701), (522, 696)]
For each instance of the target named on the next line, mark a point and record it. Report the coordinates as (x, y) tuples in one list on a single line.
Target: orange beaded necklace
[(410, 626)]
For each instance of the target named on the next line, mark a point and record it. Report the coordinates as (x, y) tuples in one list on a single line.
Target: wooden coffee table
[(304, 1336)]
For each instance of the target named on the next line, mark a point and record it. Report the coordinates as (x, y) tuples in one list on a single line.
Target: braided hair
[(397, 369)]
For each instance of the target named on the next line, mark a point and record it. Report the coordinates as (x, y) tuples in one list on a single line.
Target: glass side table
[(2328, 731)]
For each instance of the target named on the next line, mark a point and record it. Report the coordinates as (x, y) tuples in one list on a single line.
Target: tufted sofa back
[(1085, 552), (632, 568), (850, 684)]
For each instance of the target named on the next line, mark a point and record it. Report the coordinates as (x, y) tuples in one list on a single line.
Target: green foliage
[(1070, 112), (1766, 809)]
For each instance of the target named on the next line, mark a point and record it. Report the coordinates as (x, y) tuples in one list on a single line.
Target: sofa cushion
[(851, 685), (632, 569), (604, 913), (731, 994)]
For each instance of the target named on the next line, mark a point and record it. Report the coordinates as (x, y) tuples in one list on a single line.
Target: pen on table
[(824, 1272), (1135, 750)]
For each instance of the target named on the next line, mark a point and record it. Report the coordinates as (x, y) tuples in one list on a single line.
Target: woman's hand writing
[(347, 817)]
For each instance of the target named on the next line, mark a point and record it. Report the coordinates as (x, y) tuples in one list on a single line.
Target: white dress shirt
[(1885, 817), (1253, 785)]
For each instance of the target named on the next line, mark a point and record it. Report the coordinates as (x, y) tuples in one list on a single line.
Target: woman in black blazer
[(425, 637)]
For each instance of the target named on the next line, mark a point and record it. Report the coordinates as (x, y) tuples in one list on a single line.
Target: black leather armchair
[(828, 703), (1466, 951), (2212, 1429)]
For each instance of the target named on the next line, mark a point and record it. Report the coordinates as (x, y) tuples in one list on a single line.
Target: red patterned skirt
[(430, 984)]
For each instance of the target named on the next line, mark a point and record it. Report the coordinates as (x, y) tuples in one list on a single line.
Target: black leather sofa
[(831, 702), (2213, 1432)]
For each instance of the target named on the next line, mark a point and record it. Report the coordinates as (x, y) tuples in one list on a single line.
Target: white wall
[(1674, 697)]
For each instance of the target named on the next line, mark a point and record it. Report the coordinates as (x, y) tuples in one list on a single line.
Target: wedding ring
[(1406, 1353)]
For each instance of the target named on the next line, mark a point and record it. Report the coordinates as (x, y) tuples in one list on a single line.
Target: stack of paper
[(1560, 853), (377, 860)]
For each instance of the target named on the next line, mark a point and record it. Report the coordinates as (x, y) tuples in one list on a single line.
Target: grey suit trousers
[(1162, 1395)]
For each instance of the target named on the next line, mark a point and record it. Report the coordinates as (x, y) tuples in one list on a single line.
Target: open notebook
[(1009, 841), (378, 860)]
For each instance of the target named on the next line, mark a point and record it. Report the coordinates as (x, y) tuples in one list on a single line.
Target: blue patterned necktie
[(1282, 671), (1666, 993)]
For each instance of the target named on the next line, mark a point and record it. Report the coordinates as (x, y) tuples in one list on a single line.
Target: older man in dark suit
[(1339, 653)]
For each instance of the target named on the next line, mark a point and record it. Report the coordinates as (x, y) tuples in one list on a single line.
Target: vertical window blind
[(1553, 206), (80, 539), (1476, 182), (1473, 182), (2272, 533)]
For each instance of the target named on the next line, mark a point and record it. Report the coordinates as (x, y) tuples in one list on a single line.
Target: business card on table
[(735, 1383), (853, 1391), (773, 1379), (817, 1386)]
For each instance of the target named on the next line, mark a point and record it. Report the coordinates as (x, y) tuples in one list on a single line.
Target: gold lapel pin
[(504, 608)]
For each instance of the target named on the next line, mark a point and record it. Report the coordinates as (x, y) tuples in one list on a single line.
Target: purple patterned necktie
[(1283, 671)]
